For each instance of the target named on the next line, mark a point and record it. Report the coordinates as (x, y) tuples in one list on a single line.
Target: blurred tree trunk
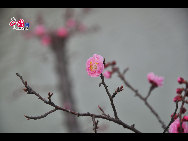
[(64, 84)]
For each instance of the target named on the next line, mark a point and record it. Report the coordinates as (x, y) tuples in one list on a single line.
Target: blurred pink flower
[(155, 80), (71, 23), (62, 32), (46, 40), (175, 127), (94, 65), (107, 74), (40, 30)]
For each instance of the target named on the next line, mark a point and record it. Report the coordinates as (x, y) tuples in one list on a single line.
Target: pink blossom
[(40, 30), (71, 23), (107, 74), (175, 127), (155, 80), (94, 65), (62, 32), (46, 40)]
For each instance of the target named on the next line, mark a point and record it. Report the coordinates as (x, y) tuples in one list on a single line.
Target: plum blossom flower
[(62, 32), (155, 80), (94, 65), (107, 74), (175, 127), (40, 30)]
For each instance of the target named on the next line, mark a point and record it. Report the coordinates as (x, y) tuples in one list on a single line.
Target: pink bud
[(175, 117), (180, 80), (107, 74), (183, 110), (179, 90), (177, 98)]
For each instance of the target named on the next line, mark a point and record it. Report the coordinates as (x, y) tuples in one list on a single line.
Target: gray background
[(145, 40)]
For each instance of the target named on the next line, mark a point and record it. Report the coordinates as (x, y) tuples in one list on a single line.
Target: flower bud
[(181, 80), (179, 90), (177, 98)]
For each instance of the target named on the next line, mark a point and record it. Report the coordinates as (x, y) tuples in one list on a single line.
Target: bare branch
[(121, 76), (172, 119), (56, 107), (109, 95)]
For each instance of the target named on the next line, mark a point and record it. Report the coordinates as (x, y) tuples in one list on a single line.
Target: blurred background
[(145, 40)]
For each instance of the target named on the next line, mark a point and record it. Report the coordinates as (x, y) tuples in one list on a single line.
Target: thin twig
[(109, 95), (49, 102), (172, 119), (121, 76), (152, 87)]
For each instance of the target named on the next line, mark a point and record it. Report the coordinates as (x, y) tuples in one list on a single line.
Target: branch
[(121, 76), (172, 119), (95, 124), (109, 95), (29, 90), (42, 116), (150, 90)]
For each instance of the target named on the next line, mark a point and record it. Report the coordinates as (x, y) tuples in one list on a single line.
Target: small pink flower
[(46, 40), (94, 65), (40, 30), (175, 127), (107, 74), (62, 32), (155, 80), (71, 23)]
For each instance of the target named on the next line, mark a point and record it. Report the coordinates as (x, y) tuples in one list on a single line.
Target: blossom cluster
[(179, 121), (95, 66), (47, 36)]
